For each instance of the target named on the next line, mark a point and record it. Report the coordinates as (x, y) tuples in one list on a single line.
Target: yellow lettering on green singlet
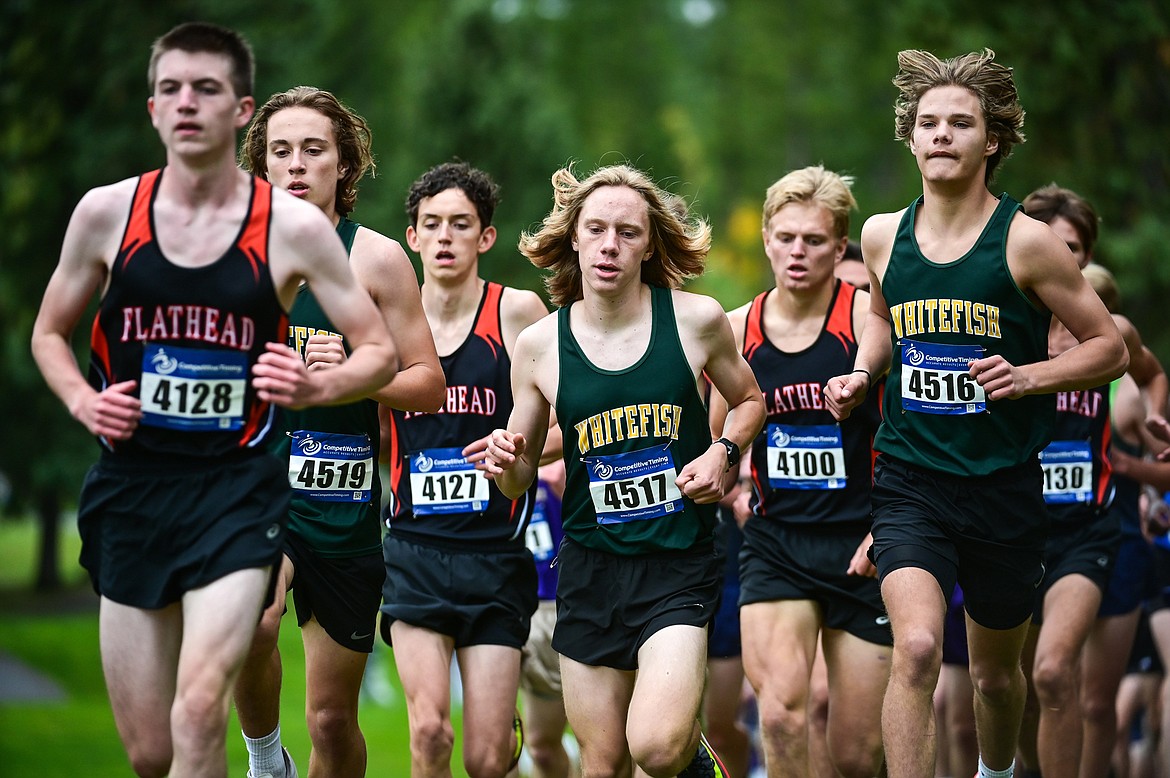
[(945, 322), (607, 424), (596, 430), (896, 319), (662, 420), (931, 315), (630, 417), (582, 429), (645, 414), (978, 319)]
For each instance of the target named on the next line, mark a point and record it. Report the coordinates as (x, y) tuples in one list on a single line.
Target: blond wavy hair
[(816, 186), (678, 242)]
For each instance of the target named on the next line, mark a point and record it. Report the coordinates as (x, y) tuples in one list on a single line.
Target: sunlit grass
[(78, 736)]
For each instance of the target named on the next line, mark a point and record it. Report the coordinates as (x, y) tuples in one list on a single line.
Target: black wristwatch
[(732, 452)]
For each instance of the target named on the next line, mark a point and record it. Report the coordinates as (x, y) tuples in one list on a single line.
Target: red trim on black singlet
[(753, 333), (138, 228), (487, 323), (261, 409), (1102, 490), (254, 239), (99, 349), (396, 469), (840, 323)]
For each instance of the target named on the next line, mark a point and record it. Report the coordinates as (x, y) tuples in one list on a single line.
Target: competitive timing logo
[(310, 446), (423, 463), (603, 470), (164, 363), (780, 438), (914, 355)]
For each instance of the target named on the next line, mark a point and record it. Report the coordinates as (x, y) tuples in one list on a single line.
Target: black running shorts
[(477, 598), (807, 562), (609, 605), (986, 532), (152, 531), (342, 593)]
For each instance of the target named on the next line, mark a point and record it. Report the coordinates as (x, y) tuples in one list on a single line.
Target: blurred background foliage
[(715, 98)]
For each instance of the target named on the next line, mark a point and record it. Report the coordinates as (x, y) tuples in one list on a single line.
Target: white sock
[(987, 772), (264, 754)]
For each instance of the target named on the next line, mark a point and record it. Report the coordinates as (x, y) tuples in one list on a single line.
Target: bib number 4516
[(945, 386)]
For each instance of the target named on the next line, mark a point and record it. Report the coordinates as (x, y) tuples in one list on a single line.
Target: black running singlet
[(189, 335), (434, 493)]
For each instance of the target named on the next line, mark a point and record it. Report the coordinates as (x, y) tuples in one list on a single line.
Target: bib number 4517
[(628, 494)]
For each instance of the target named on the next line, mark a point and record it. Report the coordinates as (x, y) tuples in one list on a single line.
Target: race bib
[(538, 535), (331, 467), (193, 389), (634, 486), (805, 457), (1068, 472), (935, 379), (443, 481)]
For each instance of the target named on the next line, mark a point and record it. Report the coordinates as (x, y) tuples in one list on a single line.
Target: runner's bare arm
[(88, 249), (702, 320), (874, 351), (384, 270), (512, 456), (305, 247), (1043, 266)]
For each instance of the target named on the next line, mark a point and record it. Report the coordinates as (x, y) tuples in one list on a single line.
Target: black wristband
[(868, 377), (732, 451)]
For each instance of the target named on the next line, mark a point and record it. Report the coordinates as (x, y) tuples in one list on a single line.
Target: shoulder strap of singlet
[(753, 333), (138, 229), (254, 238), (840, 321), (487, 320), (347, 231)]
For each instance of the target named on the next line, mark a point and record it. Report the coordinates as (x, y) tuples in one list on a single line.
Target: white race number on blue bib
[(805, 457), (193, 389), (1068, 472), (935, 379), (538, 535), (331, 467), (634, 486), (443, 481)]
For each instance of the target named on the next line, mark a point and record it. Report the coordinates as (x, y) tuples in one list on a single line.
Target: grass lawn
[(78, 737)]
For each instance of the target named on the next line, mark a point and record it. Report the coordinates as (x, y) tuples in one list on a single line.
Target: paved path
[(21, 683)]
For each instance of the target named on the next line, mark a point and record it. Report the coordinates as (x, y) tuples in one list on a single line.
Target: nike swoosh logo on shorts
[(356, 636)]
